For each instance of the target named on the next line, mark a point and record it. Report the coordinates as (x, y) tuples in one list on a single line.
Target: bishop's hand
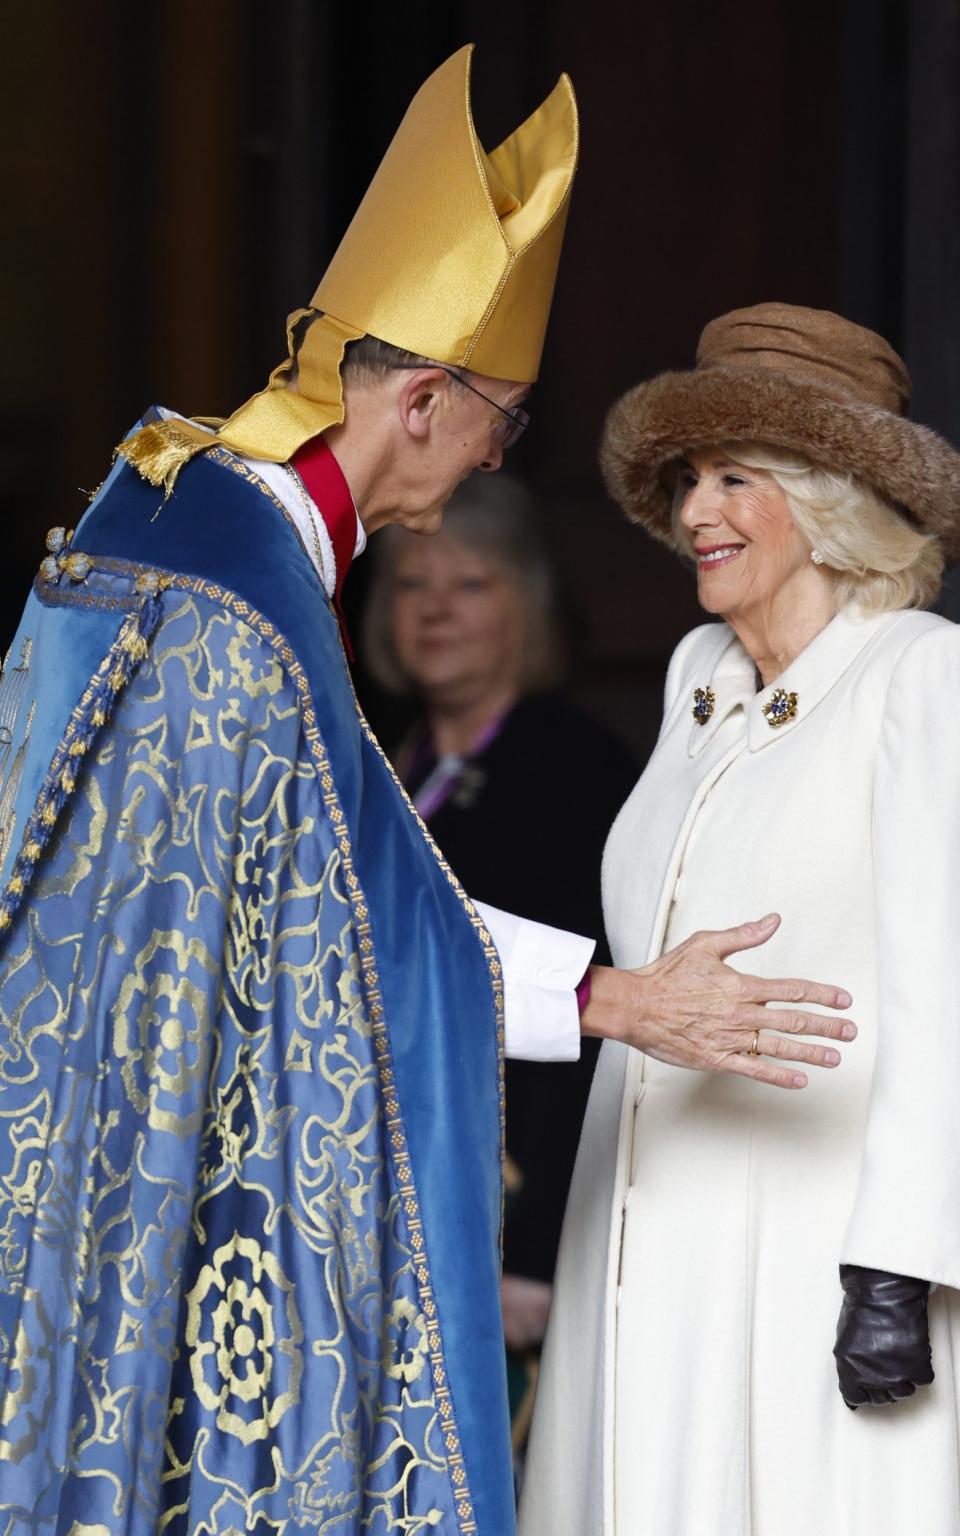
[(692, 1010)]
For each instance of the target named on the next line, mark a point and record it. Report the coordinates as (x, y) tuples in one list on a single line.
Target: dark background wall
[(177, 178)]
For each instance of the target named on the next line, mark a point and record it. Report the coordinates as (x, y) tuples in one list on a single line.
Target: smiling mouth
[(709, 559)]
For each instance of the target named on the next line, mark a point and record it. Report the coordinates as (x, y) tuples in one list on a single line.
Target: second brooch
[(780, 708)]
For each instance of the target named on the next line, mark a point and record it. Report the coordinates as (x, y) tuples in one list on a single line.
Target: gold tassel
[(159, 450), (133, 642)]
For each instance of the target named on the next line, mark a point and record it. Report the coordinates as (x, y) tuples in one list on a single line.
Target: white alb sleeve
[(541, 969)]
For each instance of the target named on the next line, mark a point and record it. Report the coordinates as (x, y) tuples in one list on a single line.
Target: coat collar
[(810, 677), (732, 681)]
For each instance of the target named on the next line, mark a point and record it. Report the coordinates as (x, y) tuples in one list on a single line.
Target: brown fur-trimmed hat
[(802, 379)]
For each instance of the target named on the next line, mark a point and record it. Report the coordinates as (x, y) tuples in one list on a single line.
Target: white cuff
[(541, 969)]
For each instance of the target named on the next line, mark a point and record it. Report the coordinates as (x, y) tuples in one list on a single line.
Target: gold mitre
[(452, 254)]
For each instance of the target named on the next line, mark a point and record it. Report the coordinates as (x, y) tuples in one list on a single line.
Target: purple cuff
[(583, 990)]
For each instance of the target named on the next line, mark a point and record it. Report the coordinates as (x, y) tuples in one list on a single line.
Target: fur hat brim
[(659, 422)]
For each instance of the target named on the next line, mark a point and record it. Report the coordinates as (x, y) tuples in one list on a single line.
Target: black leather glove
[(883, 1345)]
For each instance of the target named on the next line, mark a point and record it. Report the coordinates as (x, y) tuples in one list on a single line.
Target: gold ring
[(755, 1047)]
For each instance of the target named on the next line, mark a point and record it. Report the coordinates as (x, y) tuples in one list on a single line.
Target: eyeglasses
[(508, 431)]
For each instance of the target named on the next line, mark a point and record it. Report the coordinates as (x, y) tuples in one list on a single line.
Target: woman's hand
[(690, 1009), (883, 1342)]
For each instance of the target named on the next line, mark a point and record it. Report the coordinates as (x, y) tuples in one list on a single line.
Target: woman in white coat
[(809, 761)]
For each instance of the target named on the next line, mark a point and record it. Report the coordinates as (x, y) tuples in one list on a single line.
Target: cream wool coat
[(701, 1400)]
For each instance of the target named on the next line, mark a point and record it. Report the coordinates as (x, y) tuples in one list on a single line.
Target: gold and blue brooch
[(780, 708), (704, 701)]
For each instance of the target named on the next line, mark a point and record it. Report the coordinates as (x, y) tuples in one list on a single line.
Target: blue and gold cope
[(250, 1062)]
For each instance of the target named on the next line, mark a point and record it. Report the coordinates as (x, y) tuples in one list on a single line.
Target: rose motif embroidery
[(405, 1342), (244, 1333), (162, 1031)]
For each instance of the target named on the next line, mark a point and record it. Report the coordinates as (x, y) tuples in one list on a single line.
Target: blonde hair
[(498, 518), (877, 558)]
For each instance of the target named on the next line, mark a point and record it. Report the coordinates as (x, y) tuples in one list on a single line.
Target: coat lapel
[(811, 677)]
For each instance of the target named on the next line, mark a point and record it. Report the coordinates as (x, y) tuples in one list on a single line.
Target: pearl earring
[(816, 557)]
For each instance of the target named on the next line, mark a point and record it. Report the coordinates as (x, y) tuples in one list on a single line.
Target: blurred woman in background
[(519, 789)]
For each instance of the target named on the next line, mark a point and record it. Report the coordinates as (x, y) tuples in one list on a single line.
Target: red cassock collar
[(327, 488)]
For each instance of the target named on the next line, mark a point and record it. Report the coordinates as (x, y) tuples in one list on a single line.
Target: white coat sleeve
[(906, 1215), (541, 969)]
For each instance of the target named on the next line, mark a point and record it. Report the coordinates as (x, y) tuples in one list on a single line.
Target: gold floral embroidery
[(162, 1030), (405, 1342), (30, 1388), (154, 801), (244, 1331)]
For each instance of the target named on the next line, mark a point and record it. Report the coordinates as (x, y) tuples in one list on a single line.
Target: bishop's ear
[(420, 399)]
